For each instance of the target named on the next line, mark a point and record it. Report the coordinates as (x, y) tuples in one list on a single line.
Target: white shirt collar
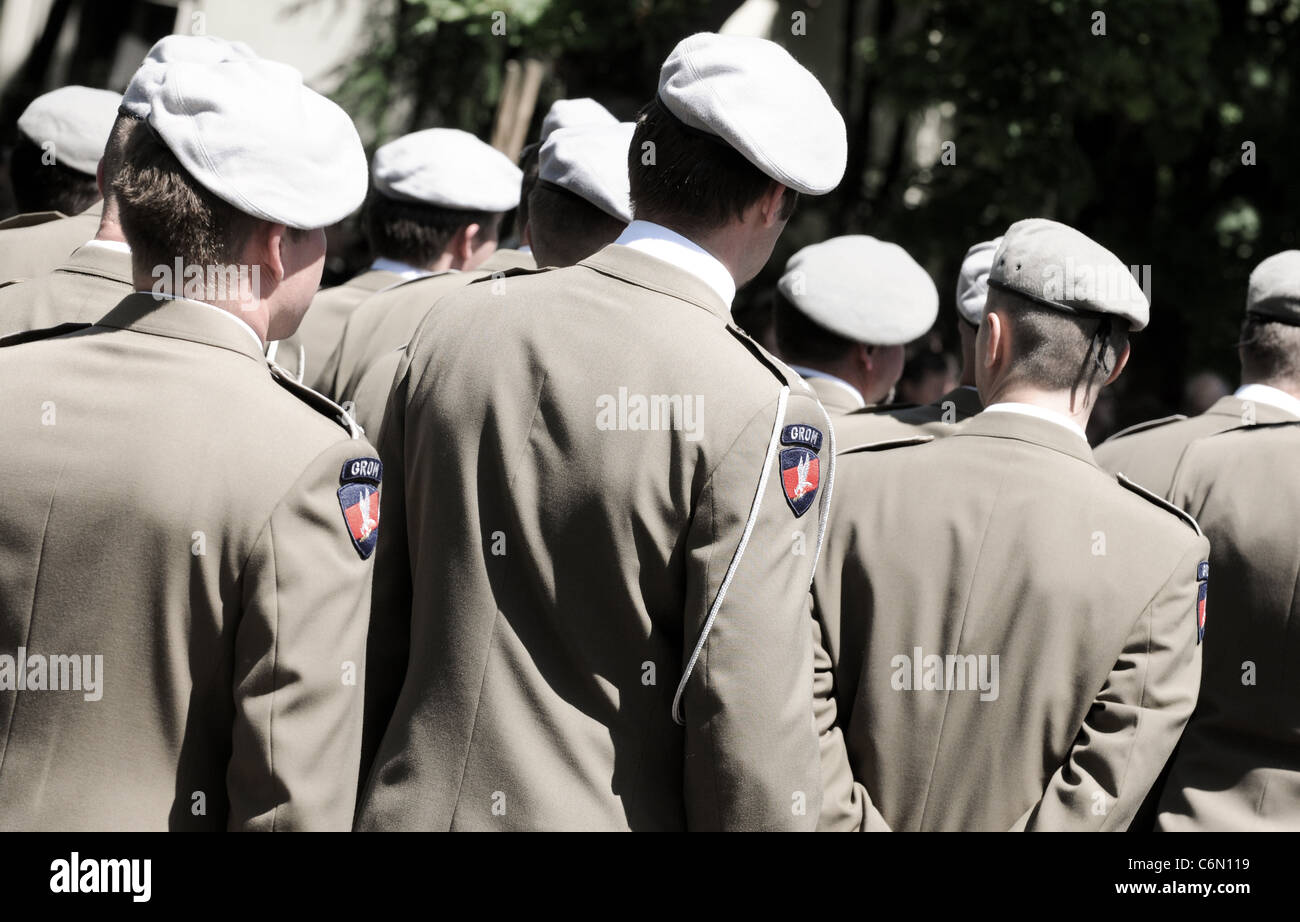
[(116, 246), (1025, 409), (1263, 393), (162, 296), (662, 243), (405, 270), (807, 372)]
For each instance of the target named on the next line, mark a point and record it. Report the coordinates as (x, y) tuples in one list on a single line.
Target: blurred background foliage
[(1135, 135)]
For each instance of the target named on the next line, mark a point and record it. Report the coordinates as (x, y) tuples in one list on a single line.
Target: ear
[(1119, 365), (463, 243), (267, 241), (769, 206), (996, 340), (863, 358), (99, 177), (525, 236)]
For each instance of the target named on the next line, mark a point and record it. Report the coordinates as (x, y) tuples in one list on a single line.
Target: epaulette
[(31, 336), (783, 372), (882, 408), (31, 219), (1253, 426), (491, 275), (1159, 501), (886, 444), (316, 400), (1149, 424)]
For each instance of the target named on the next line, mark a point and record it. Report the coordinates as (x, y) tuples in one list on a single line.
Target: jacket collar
[(102, 262), (646, 271), (1029, 429), (180, 318)]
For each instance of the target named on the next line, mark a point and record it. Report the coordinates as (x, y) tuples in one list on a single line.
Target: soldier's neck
[(1073, 406)]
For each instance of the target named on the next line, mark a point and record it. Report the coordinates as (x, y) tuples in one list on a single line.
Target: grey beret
[(862, 288), (1275, 288), (752, 94), (252, 134), (1056, 266), (76, 120), (573, 113), (201, 49), (973, 280), (591, 161), (448, 168)]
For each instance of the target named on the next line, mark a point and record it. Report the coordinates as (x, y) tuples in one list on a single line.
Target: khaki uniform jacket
[(387, 320), (174, 510), (569, 563), (305, 352), (1006, 540), (1238, 766), (84, 288), (879, 424), (1149, 453), (33, 244)]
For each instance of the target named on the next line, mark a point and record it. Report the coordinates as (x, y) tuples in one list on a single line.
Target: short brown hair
[(1057, 351), (414, 233), (41, 186), (166, 214), (1270, 351), (697, 182), (566, 228)]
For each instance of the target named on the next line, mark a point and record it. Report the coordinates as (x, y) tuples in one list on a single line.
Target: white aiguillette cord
[(735, 560)]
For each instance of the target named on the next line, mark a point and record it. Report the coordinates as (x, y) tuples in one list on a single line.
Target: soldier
[(1238, 765), (844, 309), (97, 274), (184, 587), (433, 215), (564, 113), (435, 206), (612, 501), (1270, 388), (579, 205), (1013, 631), (962, 402), (52, 169)]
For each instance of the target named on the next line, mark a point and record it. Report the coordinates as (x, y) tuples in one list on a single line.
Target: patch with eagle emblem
[(359, 500), (800, 477)]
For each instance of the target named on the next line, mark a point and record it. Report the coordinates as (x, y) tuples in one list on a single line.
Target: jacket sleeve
[(751, 758), (1137, 717), (299, 668), (846, 805), (388, 642)]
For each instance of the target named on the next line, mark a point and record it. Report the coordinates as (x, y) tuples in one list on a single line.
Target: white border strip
[(735, 560)]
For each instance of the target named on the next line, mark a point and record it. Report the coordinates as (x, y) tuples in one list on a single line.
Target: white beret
[(751, 93), (77, 119), (1275, 288), (201, 49), (448, 168), (862, 288), (571, 113), (973, 280), (1056, 266), (253, 135), (591, 162)]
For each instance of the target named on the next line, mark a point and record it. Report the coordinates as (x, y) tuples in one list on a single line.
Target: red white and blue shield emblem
[(359, 499), (1203, 578), (800, 477)]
